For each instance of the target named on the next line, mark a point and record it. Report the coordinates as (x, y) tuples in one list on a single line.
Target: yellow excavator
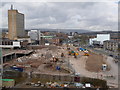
[(86, 54)]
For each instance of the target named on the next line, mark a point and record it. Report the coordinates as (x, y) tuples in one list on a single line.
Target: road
[(102, 51), (113, 71)]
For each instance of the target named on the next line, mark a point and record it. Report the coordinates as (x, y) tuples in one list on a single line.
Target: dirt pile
[(94, 62)]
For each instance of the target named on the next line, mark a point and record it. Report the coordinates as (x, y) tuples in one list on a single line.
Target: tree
[(84, 39)]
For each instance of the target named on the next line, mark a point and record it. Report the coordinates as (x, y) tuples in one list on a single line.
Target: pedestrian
[(101, 76)]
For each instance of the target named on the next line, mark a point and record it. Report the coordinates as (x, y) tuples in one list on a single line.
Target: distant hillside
[(64, 30), (102, 32), (70, 30)]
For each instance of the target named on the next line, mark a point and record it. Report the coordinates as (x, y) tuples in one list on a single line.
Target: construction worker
[(62, 54)]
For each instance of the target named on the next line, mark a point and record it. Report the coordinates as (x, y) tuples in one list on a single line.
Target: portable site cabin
[(104, 67), (7, 83), (88, 85)]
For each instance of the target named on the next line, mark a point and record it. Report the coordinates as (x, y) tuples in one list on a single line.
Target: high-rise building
[(15, 24)]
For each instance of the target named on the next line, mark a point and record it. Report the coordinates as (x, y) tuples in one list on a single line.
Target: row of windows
[(7, 43)]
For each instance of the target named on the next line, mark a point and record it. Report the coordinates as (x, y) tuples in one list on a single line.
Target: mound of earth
[(94, 62)]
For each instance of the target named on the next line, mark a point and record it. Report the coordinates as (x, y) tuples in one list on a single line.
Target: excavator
[(86, 54)]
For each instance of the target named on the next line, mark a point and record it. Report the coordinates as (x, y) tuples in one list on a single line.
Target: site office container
[(7, 83)]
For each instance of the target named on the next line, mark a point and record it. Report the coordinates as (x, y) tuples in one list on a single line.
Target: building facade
[(99, 39), (15, 24), (111, 45), (34, 34), (6, 43)]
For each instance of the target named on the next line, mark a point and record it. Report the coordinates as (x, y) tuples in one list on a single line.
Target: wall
[(103, 37), (54, 77)]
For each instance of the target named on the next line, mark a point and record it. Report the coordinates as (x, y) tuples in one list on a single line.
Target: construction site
[(48, 60), (59, 63)]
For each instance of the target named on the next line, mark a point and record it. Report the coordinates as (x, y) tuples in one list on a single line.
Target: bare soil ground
[(94, 62)]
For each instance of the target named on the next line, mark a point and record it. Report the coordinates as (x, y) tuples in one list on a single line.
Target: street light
[(1, 66)]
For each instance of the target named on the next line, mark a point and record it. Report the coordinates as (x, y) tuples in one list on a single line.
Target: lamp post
[(1, 59), (68, 63), (1, 66)]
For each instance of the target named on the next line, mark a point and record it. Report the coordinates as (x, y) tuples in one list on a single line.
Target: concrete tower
[(15, 24)]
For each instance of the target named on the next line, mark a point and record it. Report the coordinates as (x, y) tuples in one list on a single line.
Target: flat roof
[(7, 79), (47, 36), (6, 52)]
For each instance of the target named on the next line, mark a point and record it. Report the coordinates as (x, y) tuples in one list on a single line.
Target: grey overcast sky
[(79, 15)]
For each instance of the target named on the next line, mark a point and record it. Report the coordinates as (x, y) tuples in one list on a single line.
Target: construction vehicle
[(86, 54), (71, 52), (76, 54)]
